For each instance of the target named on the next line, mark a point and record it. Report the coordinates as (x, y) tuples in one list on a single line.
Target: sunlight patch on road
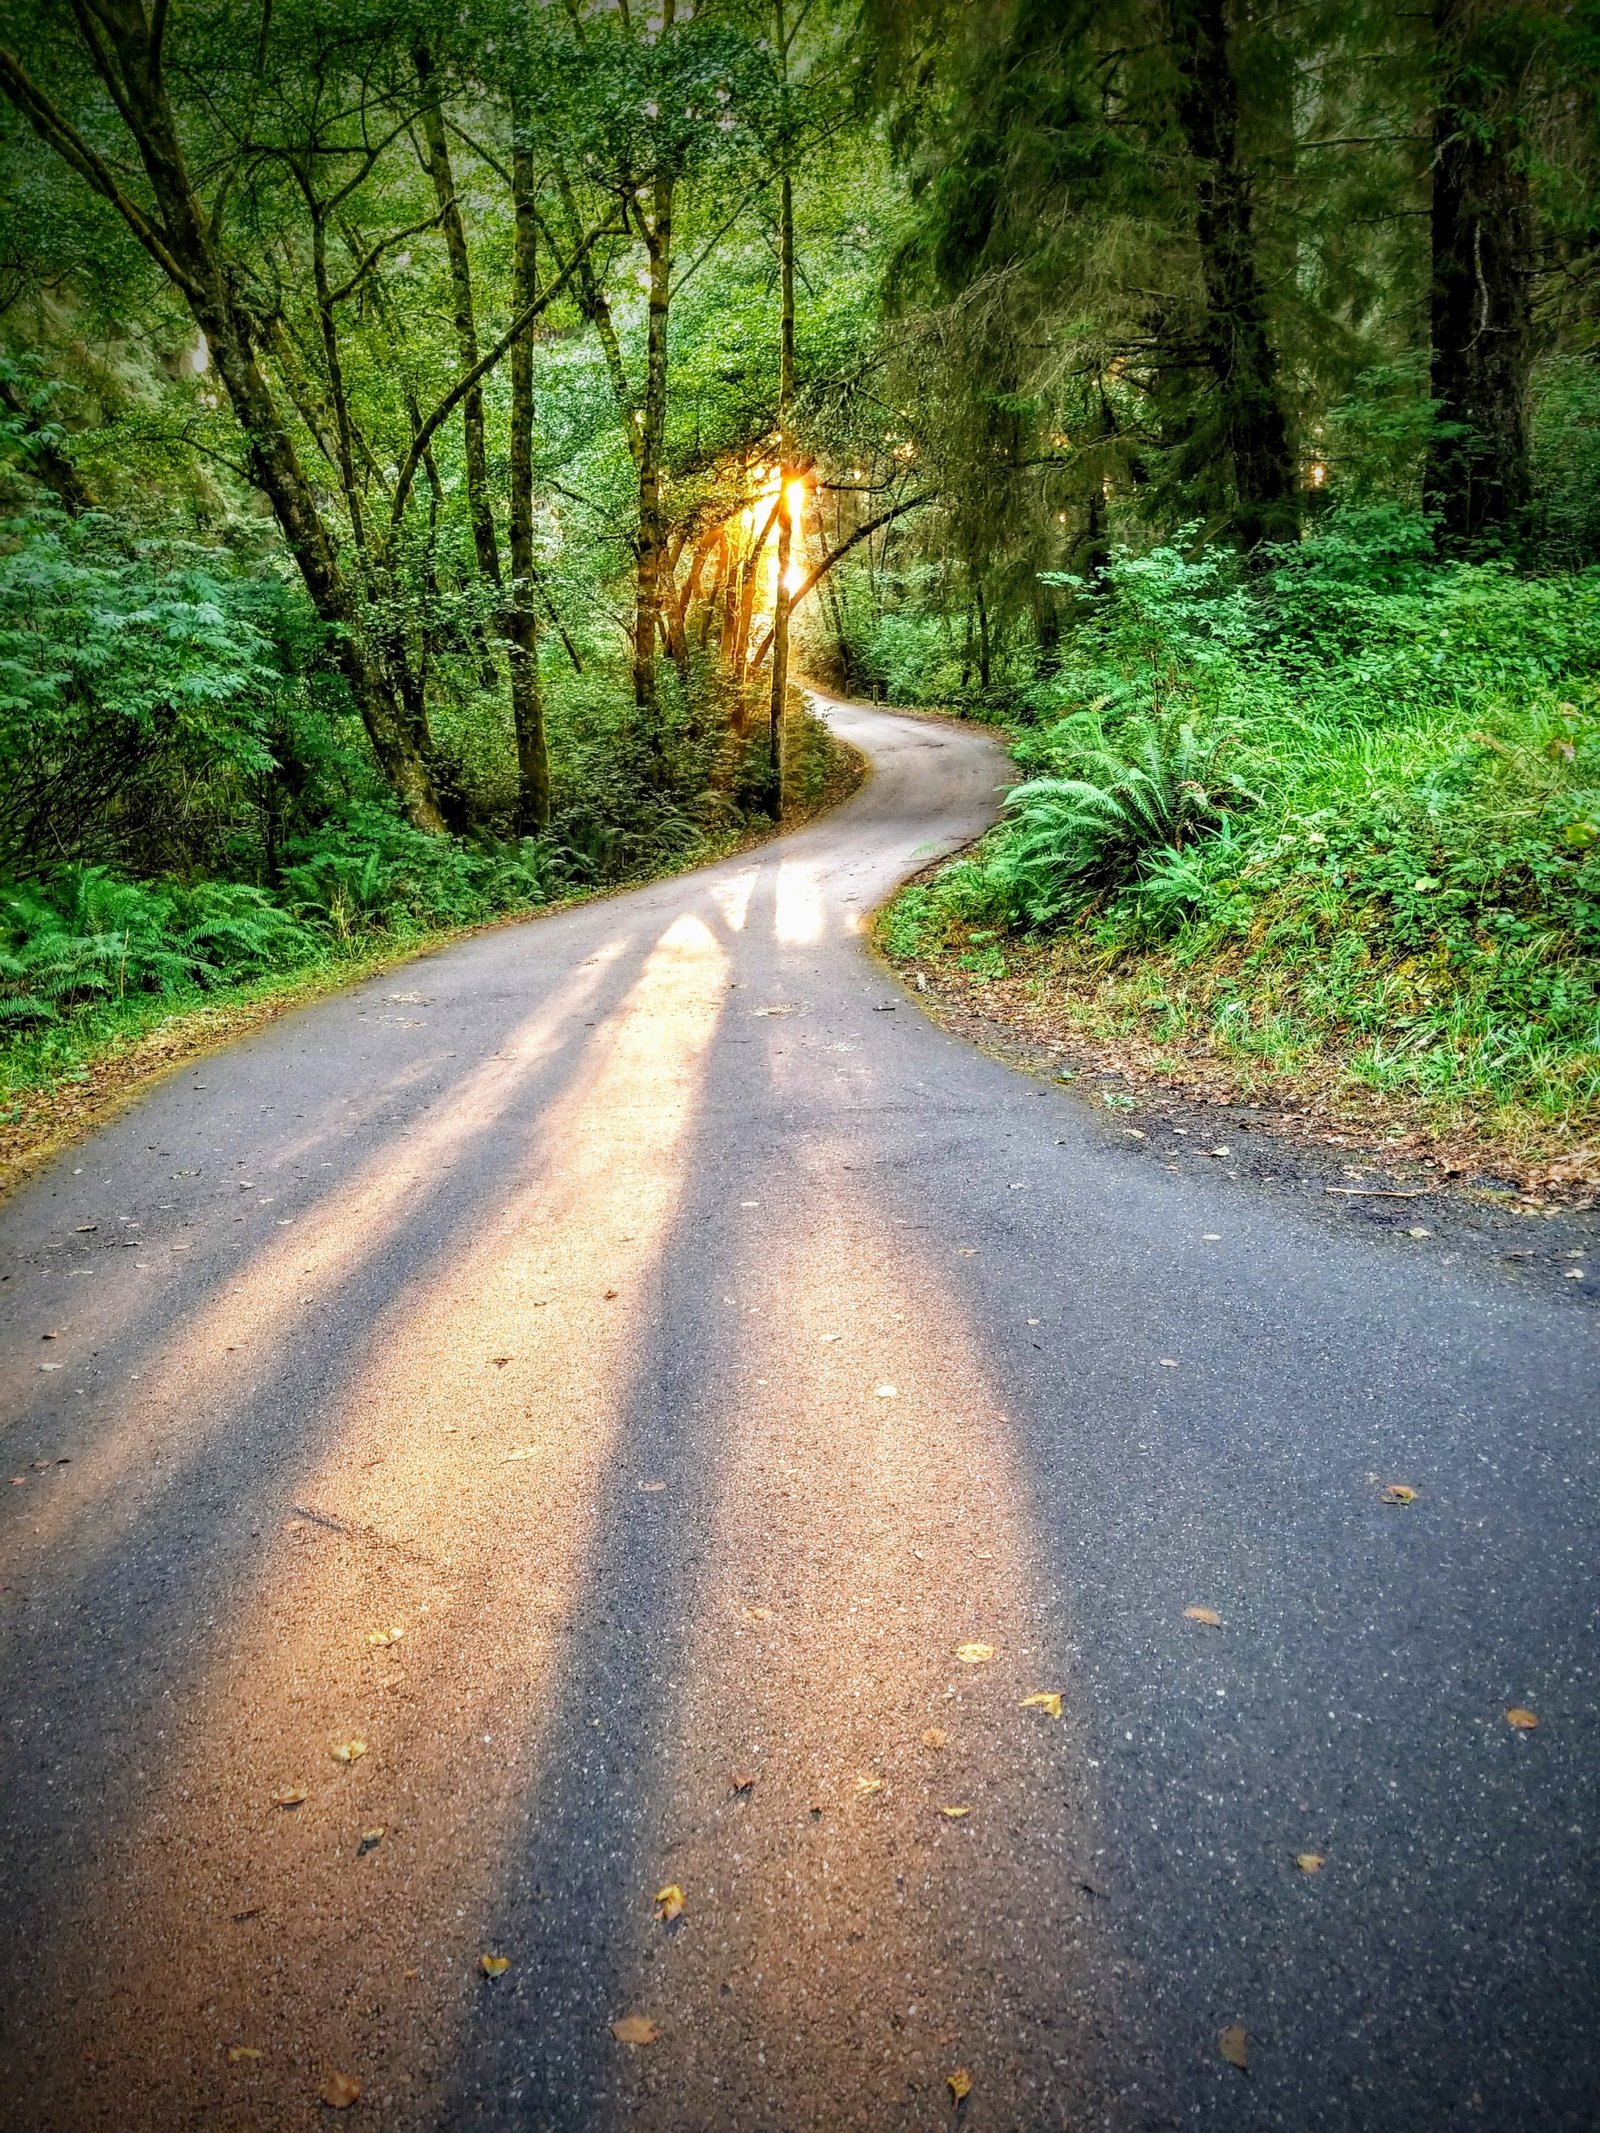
[(732, 899), (218, 1356), (457, 1505), (800, 912), (860, 1541)]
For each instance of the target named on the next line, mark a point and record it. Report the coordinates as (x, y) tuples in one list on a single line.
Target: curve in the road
[(667, 1412)]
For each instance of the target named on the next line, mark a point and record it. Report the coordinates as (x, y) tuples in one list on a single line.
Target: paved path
[(688, 1347)]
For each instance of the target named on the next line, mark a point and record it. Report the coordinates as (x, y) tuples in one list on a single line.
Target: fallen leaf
[(523, 1451), (500, 1361), (885, 1392), (1521, 1718), (1309, 1862), (609, 1295), (348, 1751), (652, 1488), (1047, 1700), (669, 1903), (974, 1654), (391, 1635), (959, 2084), (370, 1840), (966, 1251), (239, 2053), (1396, 1492), (935, 1737), (340, 2090), (289, 1796), (635, 2029), (742, 1784), (758, 1614), (1168, 1362), (1418, 1231), (1218, 1151), (494, 1965), (1207, 1615), (1234, 2046), (955, 1814), (866, 1784)]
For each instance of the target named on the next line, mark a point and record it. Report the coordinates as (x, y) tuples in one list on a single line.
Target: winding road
[(667, 1411)]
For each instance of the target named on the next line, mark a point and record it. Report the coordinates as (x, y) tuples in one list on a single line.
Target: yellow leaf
[(1207, 1615), (865, 1784), (758, 1614), (348, 1751), (955, 1814), (669, 1903), (635, 2029), (340, 2090), (289, 1796), (239, 2054), (1309, 1862), (1521, 1718), (1234, 2045), (935, 1737), (494, 1965), (1396, 1492), (391, 1635), (974, 1654), (1047, 1700), (959, 2084)]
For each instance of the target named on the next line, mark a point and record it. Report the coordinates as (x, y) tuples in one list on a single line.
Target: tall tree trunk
[(522, 619), (128, 60), (1481, 227), (786, 467), (652, 536), (1254, 430), (479, 508)]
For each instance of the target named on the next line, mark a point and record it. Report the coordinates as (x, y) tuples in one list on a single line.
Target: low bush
[(1351, 798)]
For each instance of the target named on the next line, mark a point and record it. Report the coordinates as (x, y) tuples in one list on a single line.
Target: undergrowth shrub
[(1355, 792)]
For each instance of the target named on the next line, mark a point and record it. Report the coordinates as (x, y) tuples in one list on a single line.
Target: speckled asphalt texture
[(687, 1347)]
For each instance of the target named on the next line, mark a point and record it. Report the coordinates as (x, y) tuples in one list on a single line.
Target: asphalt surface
[(686, 1346)]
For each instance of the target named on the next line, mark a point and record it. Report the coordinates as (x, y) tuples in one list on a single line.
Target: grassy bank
[(106, 984), (1332, 827)]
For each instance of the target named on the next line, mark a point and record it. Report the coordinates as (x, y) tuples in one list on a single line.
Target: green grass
[(1321, 824)]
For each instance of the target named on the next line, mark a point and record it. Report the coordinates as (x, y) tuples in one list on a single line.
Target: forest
[(435, 442)]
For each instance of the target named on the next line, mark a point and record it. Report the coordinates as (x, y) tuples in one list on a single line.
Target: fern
[(1071, 840)]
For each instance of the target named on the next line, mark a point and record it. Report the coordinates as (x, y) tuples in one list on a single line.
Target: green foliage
[(1403, 855), (1124, 816), (84, 936)]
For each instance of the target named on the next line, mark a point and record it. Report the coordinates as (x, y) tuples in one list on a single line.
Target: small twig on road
[(1382, 1192)]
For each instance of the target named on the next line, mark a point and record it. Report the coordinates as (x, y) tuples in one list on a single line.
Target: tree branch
[(910, 504), (58, 133), (481, 369)]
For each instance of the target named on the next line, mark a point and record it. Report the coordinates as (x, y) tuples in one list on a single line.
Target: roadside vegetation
[(1276, 549), (432, 442)]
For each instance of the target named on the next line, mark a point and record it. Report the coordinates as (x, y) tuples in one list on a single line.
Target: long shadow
[(110, 1639), (607, 1808), (1442, 1964), (365, 1227), (147, 1319)]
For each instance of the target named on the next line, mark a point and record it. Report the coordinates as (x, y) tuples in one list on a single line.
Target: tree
[(1482, 256)]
